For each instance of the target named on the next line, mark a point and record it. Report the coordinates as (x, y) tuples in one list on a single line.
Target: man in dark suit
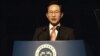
[(55, 31)]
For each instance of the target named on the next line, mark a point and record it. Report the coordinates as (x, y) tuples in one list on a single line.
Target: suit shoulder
[(41, 28), (68, 28)]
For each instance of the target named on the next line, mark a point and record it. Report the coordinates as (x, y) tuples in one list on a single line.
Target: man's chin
[(54, 24)]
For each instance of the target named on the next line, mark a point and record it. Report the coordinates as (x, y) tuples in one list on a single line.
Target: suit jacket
[(43, 34)]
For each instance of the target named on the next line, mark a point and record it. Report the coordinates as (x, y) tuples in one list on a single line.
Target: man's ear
[(62, 15)]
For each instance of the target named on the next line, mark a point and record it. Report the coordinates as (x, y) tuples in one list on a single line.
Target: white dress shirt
[(50, 28)]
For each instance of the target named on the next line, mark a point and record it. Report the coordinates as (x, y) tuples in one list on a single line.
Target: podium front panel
[(49, 48)]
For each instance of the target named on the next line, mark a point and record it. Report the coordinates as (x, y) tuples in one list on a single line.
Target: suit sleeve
[(72, 35), (36, 34)]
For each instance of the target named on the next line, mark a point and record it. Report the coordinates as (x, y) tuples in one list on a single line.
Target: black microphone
[(43, 29), (58, 28)]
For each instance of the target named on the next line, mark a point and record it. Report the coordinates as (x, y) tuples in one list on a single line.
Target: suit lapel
[(46, 34), (61, 34)]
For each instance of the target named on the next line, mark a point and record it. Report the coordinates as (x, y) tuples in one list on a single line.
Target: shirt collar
[(50, 26)]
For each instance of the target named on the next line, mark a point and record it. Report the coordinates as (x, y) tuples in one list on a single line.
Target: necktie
[(53, 34)]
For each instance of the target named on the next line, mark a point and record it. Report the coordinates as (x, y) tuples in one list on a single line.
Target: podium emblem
[(45, 50)]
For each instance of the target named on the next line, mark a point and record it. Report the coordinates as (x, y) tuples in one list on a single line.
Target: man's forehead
[(54, 5)]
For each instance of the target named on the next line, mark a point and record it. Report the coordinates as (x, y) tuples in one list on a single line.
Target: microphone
[(58, 27), (44, 29)]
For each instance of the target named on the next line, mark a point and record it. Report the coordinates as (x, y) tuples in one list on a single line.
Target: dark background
[(20, 18)]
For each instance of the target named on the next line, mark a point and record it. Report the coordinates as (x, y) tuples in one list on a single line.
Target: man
[(55, 31)]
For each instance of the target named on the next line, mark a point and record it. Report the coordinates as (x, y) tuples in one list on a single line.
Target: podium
[(49, 48)]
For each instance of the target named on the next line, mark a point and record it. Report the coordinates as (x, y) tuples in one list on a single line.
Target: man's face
[(54, 14)]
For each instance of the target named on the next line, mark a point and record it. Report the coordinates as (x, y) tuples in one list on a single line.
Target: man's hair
[(54, 3)]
